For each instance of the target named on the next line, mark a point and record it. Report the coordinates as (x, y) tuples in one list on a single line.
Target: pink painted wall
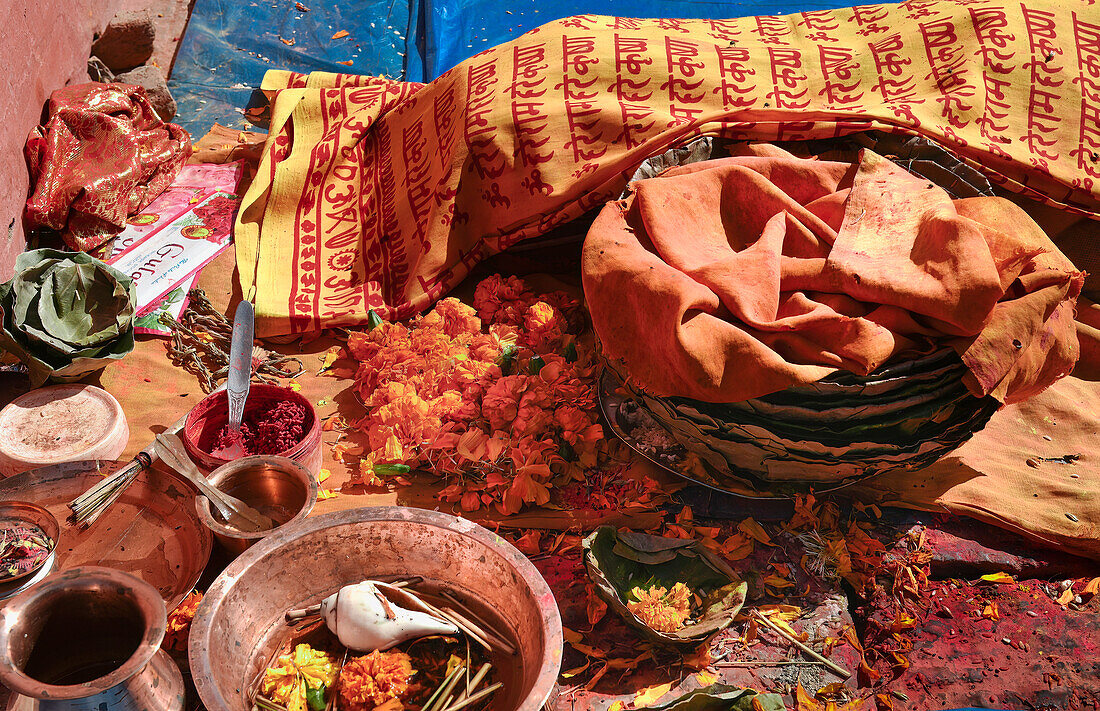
[(44, 45)]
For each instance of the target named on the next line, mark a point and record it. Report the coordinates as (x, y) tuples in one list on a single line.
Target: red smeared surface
[(982, 644), (959, 658), (966, 548), (947, 656), (272, 430)]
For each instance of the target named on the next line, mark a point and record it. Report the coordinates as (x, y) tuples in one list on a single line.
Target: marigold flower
[(179, 622), (286, 680), (374, 679), (497, 298), (456, 317), (663, 610), (437, 397), (501, 402), (544, 326)]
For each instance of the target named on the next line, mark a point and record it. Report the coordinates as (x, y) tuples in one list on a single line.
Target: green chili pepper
[(384, 469), (315, 697)]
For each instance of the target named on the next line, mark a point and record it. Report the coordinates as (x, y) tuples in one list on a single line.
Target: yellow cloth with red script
[(377, 194)]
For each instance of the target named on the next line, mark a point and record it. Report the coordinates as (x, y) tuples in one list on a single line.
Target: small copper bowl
[(280, 488), (22, 512)]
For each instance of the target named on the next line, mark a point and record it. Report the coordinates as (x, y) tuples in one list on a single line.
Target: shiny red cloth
[(102, 155)]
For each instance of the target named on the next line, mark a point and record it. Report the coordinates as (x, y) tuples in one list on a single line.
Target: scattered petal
[(647, 696), (999, 578), (754, 530)]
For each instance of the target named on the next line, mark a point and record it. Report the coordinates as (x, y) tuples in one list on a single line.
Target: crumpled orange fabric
[(734, 278), (102, 155)]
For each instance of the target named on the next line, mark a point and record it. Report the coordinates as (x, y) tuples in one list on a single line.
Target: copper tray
[(151, 532)]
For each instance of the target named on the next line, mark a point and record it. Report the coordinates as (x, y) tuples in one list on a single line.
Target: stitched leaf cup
[(66, 314), (638, 573), (721, 697)]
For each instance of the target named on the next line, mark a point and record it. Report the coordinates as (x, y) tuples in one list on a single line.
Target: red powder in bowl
[(267, 430)]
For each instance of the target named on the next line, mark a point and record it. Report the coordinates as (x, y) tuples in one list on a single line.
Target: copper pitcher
[(87, 639)]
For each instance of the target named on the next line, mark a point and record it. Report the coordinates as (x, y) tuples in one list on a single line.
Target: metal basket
[(905, 415), (845, 427)]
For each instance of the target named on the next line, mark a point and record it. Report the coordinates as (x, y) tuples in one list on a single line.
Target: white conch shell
[(357, 616)]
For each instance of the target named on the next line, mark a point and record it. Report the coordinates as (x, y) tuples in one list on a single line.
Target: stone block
[(127, 42), (156, 88)]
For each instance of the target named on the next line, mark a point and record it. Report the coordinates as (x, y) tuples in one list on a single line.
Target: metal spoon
[(240, 375), (236, 512)]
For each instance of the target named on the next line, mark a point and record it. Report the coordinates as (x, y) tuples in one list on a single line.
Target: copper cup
[(25, 512), (88, 638), (278, 487)]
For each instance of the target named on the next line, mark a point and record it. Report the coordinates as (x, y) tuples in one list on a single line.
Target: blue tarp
[(229, 44), (457, 29)]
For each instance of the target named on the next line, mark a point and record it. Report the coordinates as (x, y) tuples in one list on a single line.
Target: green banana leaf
[(721, 697), (618, 562), (66, 314)]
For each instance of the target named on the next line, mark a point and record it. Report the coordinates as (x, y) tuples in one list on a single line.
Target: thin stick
[(390, 614), (306, 626), (468, 665), (335, 687), (833, 667), (475, 698), (301, 614), (777, 663), (399, 581), (438, 692), (472, 632), (490, 634), (436, 702), (254, 687), (470, 686), (266, 703)]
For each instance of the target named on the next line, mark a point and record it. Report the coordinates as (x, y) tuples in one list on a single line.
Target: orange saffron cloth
[(378, 194), (734, 278)]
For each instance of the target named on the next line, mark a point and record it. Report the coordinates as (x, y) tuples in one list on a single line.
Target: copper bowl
[(33, 514), (239, 623), (280, 488)]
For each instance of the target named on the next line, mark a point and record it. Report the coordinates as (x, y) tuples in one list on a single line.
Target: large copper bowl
[(240, 621)]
